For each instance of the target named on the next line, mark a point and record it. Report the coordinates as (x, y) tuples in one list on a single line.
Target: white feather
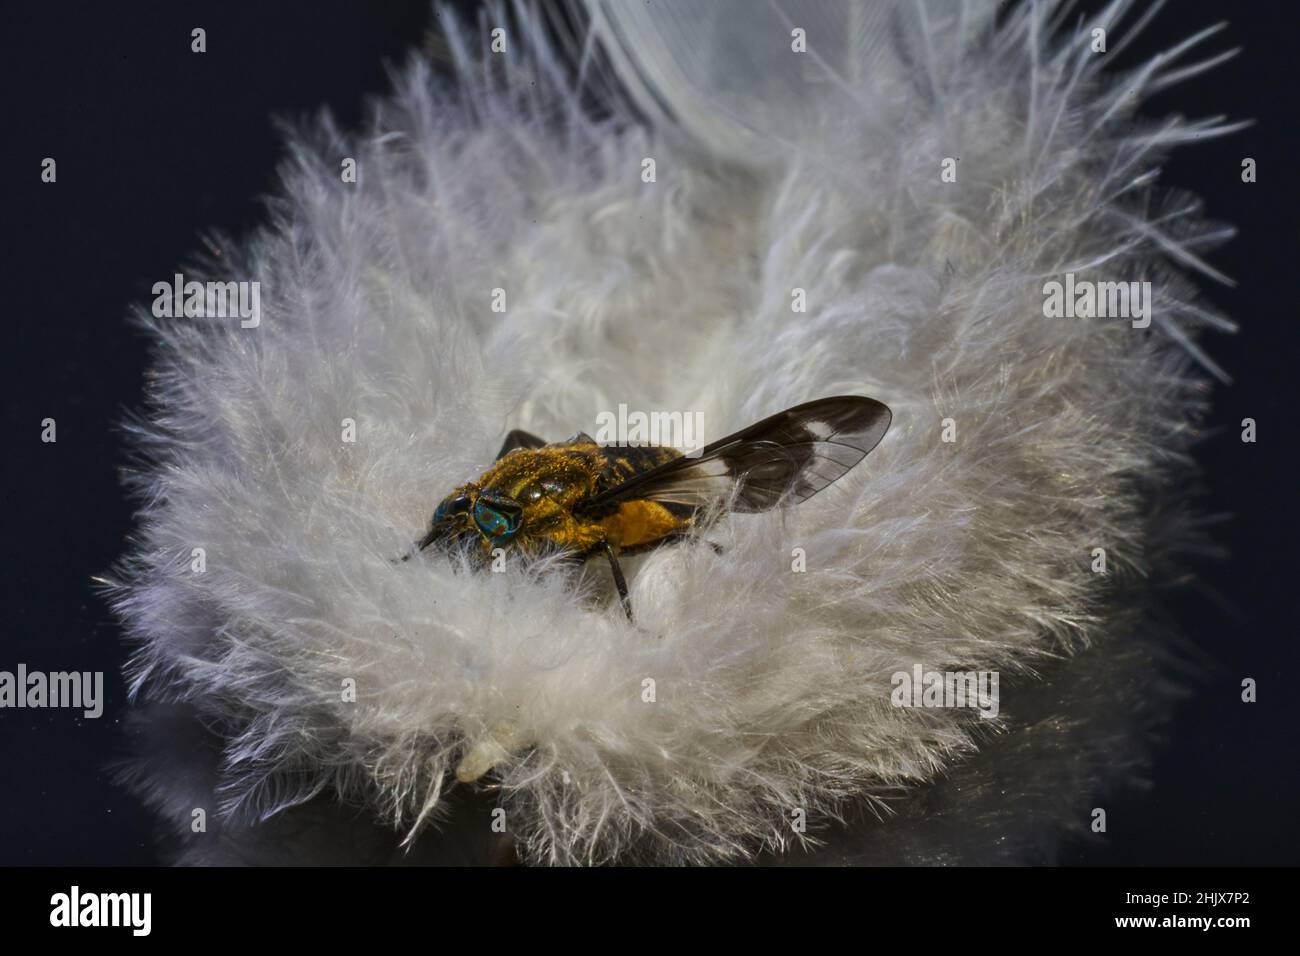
[(772, 688)]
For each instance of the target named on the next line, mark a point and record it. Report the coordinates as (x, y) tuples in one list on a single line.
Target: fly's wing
[(518, 438), (796, 452)]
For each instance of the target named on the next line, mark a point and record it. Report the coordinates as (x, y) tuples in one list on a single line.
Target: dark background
[(155, 144)]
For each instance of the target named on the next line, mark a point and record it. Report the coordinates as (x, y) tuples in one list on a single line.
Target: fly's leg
[(519, 439), (620, 582)]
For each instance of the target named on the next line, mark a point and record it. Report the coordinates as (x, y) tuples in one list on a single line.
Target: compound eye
[(452, 506), (497, 519)]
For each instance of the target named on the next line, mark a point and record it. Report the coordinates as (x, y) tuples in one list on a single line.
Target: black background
[(155, 144)]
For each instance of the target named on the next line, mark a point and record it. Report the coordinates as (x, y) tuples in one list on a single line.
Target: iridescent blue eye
[(451, 506), (498, 520)]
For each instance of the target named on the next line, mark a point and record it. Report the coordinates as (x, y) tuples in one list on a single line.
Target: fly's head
[(526, 500)]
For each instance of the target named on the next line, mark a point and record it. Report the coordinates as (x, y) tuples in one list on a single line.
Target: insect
[(587, 499)]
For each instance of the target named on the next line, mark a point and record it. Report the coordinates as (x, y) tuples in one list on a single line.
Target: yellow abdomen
[(638, 523)]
